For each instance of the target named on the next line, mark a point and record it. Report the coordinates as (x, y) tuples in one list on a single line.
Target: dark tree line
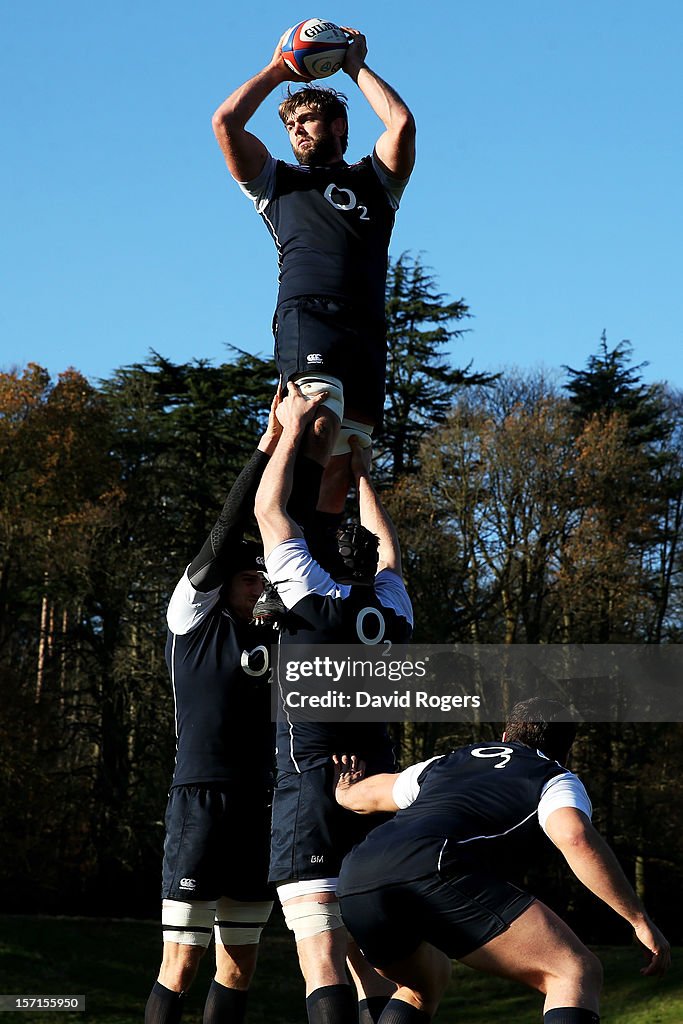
[(529, 511)]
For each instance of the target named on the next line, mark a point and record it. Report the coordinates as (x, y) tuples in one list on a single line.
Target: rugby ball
[(314, 49)]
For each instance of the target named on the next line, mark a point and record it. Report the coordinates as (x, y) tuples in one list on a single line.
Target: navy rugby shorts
[(457, 914), (311, 833), (316, 334), (217, 841)]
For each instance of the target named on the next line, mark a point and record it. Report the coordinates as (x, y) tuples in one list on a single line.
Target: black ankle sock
[(370, 1009), (163, 1005), (570, 1015), (224, 1005), (332, 1004), (398, 1012)]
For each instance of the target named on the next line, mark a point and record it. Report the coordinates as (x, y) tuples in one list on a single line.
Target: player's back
[(476, 808)]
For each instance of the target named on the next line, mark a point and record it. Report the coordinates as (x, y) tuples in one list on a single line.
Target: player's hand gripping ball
[(314, 49)]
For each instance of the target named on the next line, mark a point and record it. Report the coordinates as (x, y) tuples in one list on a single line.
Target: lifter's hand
[(273, 429), (361, 459), (348, 770), (277, 63), (657, 946), (298, 410), (356, 52)]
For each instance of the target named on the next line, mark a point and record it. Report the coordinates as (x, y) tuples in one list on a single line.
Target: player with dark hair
[(364, 601), (218, 816), (433, 883), (327, 102), (331, 223)]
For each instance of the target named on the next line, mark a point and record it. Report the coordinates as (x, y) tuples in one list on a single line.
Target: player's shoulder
[(390, 591), (217, 619), (364, 168), (322, 612), (326, 602), (284, 166), (363, 164), (288, 177), (189, 608)]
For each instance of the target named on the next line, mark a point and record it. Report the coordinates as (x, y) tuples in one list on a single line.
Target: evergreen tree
[(187, 430), (421, 384), (610, 385), (631, 506)]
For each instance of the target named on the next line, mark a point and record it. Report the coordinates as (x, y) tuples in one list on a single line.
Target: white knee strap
[(335, 398), (238, 923), (311, 918), (363, 432), (188, 923)]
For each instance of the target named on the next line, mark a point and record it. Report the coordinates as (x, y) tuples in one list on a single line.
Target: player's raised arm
[(395, 147), (244, 153), (209, 567), (373, 515), (595, 865), (274, 491)]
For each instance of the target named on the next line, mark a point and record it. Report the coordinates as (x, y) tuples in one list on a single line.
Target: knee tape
[(188, 923), (311, 918), (363, 432), (335, 398), (238, 923)]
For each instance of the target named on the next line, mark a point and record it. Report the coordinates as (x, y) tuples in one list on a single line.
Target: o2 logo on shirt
[(370, 626), (344, 199), (504, 752), (255, 662)]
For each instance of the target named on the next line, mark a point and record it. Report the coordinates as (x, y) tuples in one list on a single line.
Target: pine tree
[(610, 385), (632, 505), (421, 384)]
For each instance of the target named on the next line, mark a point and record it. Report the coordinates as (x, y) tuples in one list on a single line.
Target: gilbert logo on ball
[(314, 49)]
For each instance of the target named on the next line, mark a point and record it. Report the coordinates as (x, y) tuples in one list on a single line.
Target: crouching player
[(433, 883)]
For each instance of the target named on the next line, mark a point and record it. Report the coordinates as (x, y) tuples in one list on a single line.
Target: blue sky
[(547, 191)]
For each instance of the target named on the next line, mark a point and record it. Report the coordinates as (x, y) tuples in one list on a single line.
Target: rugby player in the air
[(363, 601), (331, 223)]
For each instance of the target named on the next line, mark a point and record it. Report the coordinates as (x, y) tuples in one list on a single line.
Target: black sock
[(332, 1004), (570, 1015), (164, 1006), (224, 1005), (398, 1012), (370, 1009)]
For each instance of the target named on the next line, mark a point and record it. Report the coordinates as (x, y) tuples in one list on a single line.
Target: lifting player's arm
[(274, 491), (595, 865), (395, 147), (373, 515), (244, 153), (208, 569)]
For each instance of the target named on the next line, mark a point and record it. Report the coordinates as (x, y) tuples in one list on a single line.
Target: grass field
[(113, 963)]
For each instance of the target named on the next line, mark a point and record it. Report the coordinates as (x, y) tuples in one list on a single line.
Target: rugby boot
[(269, 610)]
